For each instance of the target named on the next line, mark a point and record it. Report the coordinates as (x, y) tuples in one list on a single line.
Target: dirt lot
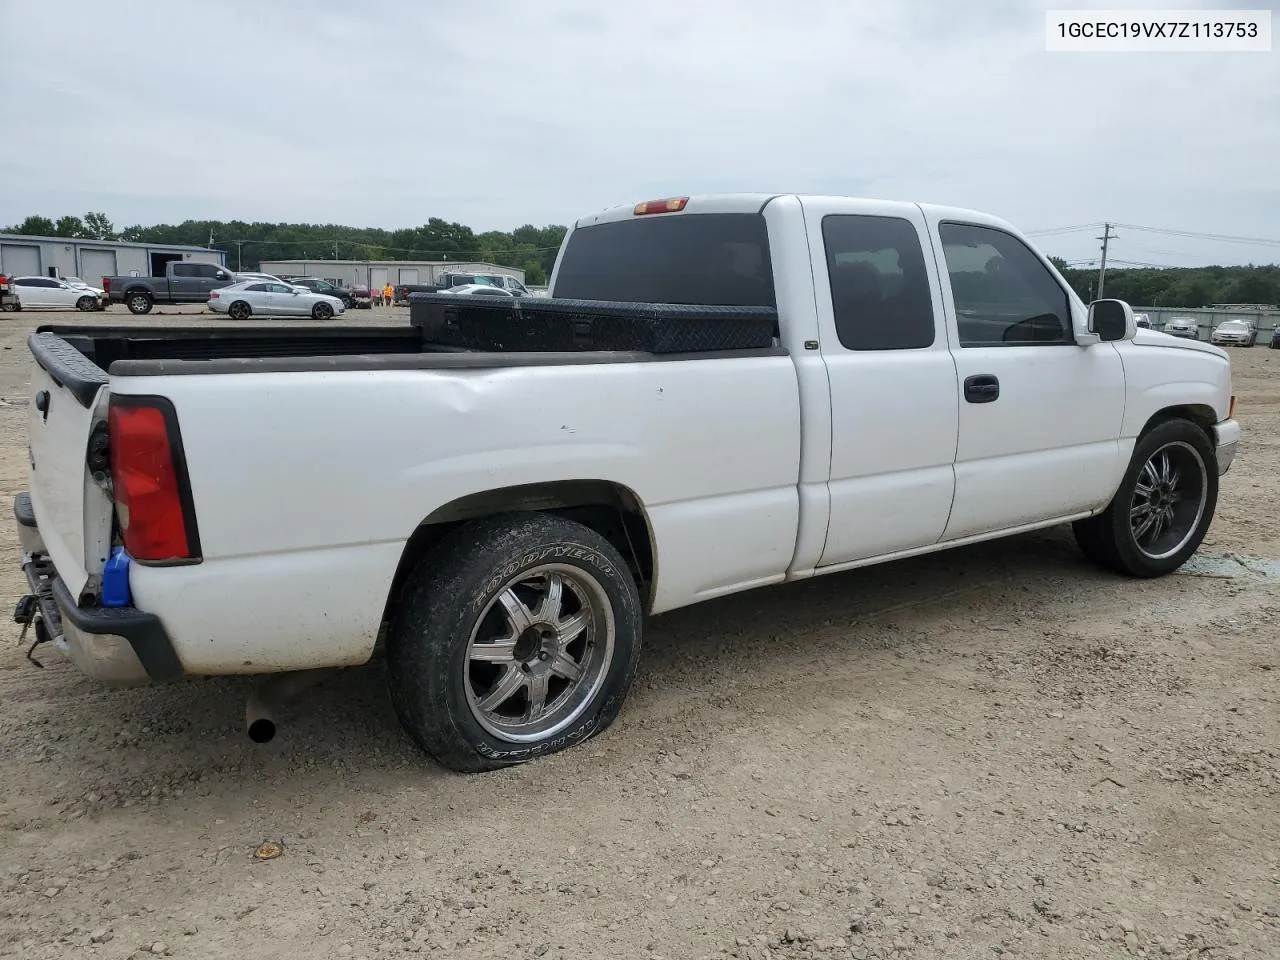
[(998, 751)]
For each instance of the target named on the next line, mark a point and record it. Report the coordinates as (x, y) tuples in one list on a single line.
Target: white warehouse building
[(378, 273), (91, 260)]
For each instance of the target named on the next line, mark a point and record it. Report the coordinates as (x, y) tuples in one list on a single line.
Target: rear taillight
[(106, 284), (213, 295), (149, 479)]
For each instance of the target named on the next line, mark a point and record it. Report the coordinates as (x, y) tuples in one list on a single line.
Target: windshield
[(708, 258)]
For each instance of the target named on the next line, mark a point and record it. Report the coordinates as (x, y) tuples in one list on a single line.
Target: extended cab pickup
[(182, 283), (275, 500)]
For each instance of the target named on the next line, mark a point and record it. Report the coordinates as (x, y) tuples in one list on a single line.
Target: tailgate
[(73, 513)]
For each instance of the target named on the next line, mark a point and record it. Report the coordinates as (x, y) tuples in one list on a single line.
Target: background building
[(91, 260), (376, 273)]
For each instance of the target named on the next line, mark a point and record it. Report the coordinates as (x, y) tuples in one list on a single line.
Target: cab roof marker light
[(669, 205)]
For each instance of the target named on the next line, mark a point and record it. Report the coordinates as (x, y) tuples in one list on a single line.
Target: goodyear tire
[(1163, 507), (516, 637)]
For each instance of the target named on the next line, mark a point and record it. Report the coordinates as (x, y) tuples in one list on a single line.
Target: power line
[(1054, 230), (1220, 237)]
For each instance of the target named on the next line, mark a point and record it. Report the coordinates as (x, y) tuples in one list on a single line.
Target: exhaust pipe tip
[(272, 693), (262, 730)]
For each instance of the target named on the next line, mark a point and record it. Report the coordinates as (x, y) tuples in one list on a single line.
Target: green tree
[(34, 226), (98, 227), (69, 226)]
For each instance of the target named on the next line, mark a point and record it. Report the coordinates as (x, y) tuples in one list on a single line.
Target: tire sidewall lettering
[(560, 551)]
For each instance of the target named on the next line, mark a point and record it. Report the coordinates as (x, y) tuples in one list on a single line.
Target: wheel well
[(610, 509), (1200, 414)]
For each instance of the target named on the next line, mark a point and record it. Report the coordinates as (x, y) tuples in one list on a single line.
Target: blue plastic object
[(115, 579)]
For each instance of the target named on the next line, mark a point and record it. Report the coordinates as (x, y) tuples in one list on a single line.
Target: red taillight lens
[(106, 284), (213, 295), (149, 477)]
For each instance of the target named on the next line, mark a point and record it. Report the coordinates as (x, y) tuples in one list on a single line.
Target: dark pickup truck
[(182, 283)]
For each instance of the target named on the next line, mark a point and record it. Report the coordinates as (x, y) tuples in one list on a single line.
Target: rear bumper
[(1227, 438), (115, 645)]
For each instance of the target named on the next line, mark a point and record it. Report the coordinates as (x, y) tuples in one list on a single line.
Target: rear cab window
[(880, 294), (692, 258)]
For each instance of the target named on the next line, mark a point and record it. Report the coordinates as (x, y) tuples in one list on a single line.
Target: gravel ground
[(995, 752)]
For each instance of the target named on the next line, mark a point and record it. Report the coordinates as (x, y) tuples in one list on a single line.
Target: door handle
[(981, 388)]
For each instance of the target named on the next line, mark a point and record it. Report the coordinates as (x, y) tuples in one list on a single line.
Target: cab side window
[(1004, 294), (879, 284)]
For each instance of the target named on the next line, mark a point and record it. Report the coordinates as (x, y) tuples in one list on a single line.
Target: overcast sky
[(387, 112)]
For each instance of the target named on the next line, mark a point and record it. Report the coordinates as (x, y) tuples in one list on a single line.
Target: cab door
[(894, 407), (1040, 414)]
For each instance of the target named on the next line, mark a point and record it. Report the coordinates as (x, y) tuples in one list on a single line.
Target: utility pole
[(335, 249), (1107, 236), (238, 242)]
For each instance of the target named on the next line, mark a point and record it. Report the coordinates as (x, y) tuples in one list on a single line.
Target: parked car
[(362, 296), (98, 292), (1234, 332), (479, 290), (1275, 339), (266, 278), (1142, 320), (401, 291), (248, 298), (47, 293), (317, 285), (1187, 327), (183, 282), (500, 280), (8, 301), (188, 518)]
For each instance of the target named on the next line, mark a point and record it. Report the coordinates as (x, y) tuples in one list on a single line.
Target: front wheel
[(1164, 505), (518, 636), (322, 311), (85, 304)]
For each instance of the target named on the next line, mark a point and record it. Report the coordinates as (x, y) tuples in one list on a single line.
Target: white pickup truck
[(278, 500)]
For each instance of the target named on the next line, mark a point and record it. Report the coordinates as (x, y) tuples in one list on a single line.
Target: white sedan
[(242, 300), (46, 293), (478, 290)]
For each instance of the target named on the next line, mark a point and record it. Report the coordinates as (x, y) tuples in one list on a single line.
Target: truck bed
[(82, 357)]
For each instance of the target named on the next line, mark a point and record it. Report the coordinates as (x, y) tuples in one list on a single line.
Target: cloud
[(496, 114)]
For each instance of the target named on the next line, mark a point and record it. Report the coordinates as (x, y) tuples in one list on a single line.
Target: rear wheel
[(322, 311), (516, 637), (1163, 507), (140, 302), (85, 304), (239, 310), (11, 306)]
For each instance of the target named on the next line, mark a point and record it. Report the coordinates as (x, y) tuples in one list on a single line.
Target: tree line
[(1179, 286), (532, 249)]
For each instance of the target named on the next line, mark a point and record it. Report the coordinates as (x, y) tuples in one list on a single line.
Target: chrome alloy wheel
[(539, 652), (1168, 500)]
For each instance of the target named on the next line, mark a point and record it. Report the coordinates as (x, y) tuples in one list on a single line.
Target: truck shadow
[(346, 731)]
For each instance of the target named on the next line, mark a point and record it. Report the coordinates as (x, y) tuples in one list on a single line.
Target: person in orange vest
[(388, 294)]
